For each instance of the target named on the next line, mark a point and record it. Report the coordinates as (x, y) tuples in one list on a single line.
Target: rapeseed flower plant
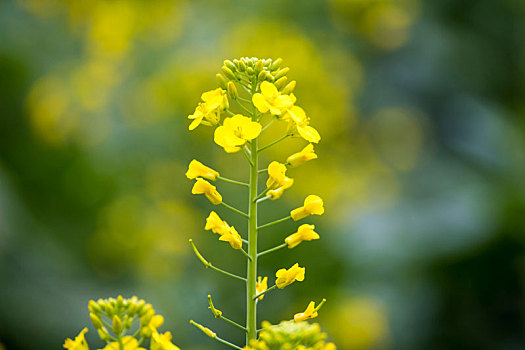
[(254, 93)]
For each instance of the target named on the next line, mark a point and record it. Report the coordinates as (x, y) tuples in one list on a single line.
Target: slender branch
[(227, 343), (235, 210), (246, 155), (209, 264), (233, 181), (272, 249), (261, 194), (263, 198), (243, 107), (267, 125), (262, 170), (264, 292), (245, 254), (229, 112), (244, 241), (233, 323), (273, 143), (274, 222), (244, 100)]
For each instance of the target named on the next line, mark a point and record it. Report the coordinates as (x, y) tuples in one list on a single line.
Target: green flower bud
[(282, 73), (110, 310), (228, 73), (279, 83), (262, 75), (97, 323), (259, 66), (269, 77), (276, 64), (132, 308), (144, 320), (120, 301), (93, 307), (117, 325), (146, 332), (221, 80), (140, 307), (288, 89), (127, 322), (250, 71), (242, 66), (103, 334), (230, 65), (232, 90)]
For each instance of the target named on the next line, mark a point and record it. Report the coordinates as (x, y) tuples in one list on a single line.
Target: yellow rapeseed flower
[(204, 187), (305, 155), (162, 342), (215, 100), (304, 233), (297, 119), (197, 169), (260, 286), (277, 176), (278, 192), (203, 116), (79, 343), (312, 205), (209, 112), (235, 131), (271, 100), (129, 342), (233, 237), (216, 224), (287, 277), (151, 326), (307, 314)]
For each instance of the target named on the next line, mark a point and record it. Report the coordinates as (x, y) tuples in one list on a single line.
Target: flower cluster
[(252, 94), (120, 316)]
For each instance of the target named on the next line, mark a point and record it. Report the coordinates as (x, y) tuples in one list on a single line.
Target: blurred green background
[(422, 167)]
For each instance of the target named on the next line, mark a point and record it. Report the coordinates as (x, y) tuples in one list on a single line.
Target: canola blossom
[(79, 343), (253, 93), (308, 313)]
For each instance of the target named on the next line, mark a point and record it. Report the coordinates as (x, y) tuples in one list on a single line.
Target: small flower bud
[(230, 65), (144, 320), (242, 66), (267, 62), (120, 301), (127, 322), (282, 73), (250, 71), (132, 308), (140, 307), (146, 332), (228, 73), (279, 83), (205, 330), (276, 64), (289, 88), (221, 80), (117, 325), (93, 307), (97, 323), (232, 90), (110, 310), (262, 75), (269, 77), (103, 334), (259, 66)]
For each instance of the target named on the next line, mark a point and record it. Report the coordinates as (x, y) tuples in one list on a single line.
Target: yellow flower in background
[(304, 233), (162, 342), (79, 343), (129, 342), (297, 119), (312, 205), (307, 314), (215, 100), (299, 158), (286, 277), (278, 192), (204, 187), (197, 169), (235, 131), (203, 116), (271, 100), (216, 224), (277, 176), (260, 286), (329, 346), (233, 237)]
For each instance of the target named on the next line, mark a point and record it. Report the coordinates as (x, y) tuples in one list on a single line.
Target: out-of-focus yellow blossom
[(162, 342), (204, 187), (304, 233), (297, 119), (312, 205), (129, 342), (271, 100), (79, 343), (197, 169), (277, 176), (216, 224), (233, 237), (215, 100), (235, 131), (329, 346), (150, 327), (260, 286), (286, 277), (299, 158), (307, 314), (203, 116), (278, 192)]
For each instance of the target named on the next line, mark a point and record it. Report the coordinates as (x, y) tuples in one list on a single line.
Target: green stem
[(274, 222), (226, 272), (267, 125), (233, 323), (251, 276), (243, 107), (209, 264), (261, 194), (262, 170), (247, 156), (233, 181), (264, 292), (272, 249), (245, 254), (273, 143), (235, 210), (260, 200), (227, 343)]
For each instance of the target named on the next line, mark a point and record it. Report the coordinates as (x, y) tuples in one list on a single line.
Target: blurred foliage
[(420, 104)]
